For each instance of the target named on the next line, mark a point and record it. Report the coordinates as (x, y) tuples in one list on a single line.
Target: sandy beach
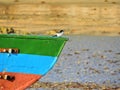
[(86, 63)]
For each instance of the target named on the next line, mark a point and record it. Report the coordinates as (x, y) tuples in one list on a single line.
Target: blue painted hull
[(26, 63)]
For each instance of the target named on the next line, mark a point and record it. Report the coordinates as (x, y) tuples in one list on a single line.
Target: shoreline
[(72, 85)]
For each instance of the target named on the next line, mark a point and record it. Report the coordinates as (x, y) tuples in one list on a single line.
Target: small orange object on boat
[(9, 50)]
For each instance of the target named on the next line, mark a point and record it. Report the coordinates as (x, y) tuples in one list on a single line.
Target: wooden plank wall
[(74, 16)]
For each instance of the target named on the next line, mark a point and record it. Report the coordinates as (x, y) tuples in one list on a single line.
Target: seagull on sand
[(59, 33)]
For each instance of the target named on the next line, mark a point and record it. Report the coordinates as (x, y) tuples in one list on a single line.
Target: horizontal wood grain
[(73, 16)]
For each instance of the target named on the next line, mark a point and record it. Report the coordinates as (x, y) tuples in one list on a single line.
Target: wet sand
[(86, 63)]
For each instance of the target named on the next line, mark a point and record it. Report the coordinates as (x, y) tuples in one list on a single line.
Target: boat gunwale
[(42, 37)]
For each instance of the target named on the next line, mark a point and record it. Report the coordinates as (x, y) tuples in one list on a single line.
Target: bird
[(60, 33)]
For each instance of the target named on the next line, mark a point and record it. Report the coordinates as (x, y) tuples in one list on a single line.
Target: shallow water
[(84, 59)]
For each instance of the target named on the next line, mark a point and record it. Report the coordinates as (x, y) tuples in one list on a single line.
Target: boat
[(24, 59)]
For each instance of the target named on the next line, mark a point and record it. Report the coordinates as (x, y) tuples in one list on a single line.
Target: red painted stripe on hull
[(21, 81)]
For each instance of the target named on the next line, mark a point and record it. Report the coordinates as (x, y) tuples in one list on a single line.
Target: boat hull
[(26, 63), (27, 58), (21, 81)]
